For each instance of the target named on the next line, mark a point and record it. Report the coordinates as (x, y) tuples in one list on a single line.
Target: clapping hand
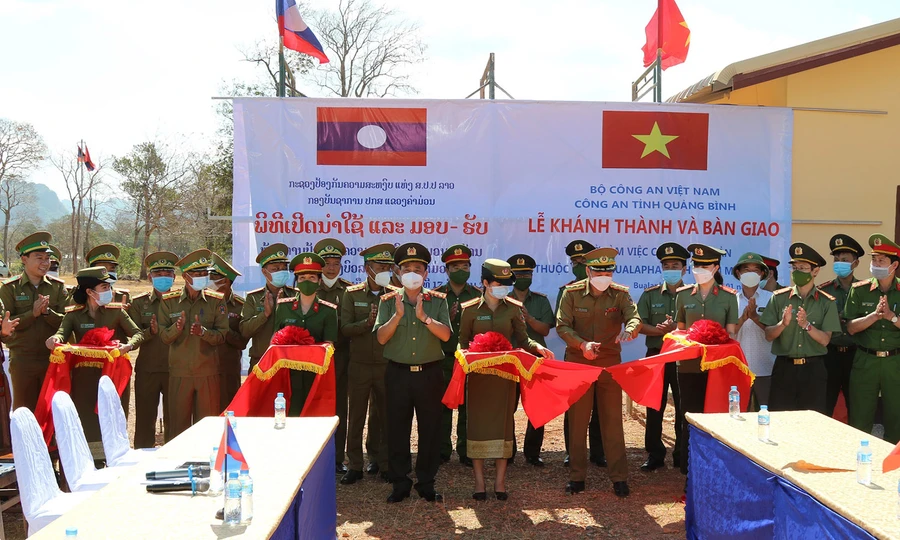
[(420, 309), (179, 324), (398, 306), (454, 309), (801, 317), (8, 325), (786, 315), (196, 327), (154, 326), (40, 305)]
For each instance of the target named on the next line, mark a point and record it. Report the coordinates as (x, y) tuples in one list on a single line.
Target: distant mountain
[(48, 203)]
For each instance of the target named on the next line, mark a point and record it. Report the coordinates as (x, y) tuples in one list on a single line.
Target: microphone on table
[(194, 486), (201, 471)]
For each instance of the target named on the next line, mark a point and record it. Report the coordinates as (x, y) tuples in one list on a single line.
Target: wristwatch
[(808, 326), (894, 320), (428, 321)]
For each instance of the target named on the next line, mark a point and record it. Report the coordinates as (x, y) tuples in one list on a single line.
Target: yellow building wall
[(845, 166)]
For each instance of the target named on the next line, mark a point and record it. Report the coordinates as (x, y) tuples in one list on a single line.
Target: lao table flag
[(230, 447)]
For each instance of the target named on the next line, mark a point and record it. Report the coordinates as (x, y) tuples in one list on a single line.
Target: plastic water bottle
[(763, 420), (246, 497), (215, 477), (233, 500), (734, 402), (231, 419), (864, 463), (71, 532), (280, 406)]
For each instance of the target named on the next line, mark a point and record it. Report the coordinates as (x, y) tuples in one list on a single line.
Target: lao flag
[(655, 140), (371, 136), (296, 35), (229, 446)]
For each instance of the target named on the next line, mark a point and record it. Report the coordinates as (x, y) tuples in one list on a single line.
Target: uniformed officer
[(38, 302), (799, 322), (55, 258), (107, 256), (457, 261), (576, 251), (595, 316), (93, 308), (656, 308), (259, 305), (771, 283), (707, 299), (221, 277), (151, 370), (194, 323), (539, 320), (841, 351), (750, 270), (331, 289), (359, 309), (873, 322), (412, 324)]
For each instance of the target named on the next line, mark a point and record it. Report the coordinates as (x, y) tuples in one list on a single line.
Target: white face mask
[(601, 283), (750, 279), (329, 282), (702, 275), (383, 279), (500, 291), (412, 280)]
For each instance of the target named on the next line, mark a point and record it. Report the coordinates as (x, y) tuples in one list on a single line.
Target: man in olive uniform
[(839, 360), (576, 250), (38, 301), (799, 322), (194, 323), (656, 308), (771, 283), (221, 278), (874, 324), (457, 261), (412, 324), (151, 370), (107, 256), (595, 315), (359, 308), (331, 289), (259, 305), (539, 320)]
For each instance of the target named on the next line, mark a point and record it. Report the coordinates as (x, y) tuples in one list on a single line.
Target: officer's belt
[(842, 349), (880, 354), (801, 361), (415, 368)]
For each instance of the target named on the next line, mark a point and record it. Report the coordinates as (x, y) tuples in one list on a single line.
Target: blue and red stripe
[(295, 34)]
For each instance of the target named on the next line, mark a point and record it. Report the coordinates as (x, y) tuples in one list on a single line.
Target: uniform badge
[(505, 271), (839, 241), (457, 251), (578, 247), (798, 250), (670, 250), (222, 309), (280, 254), (410, 251), (307, 260), (604, 259), (520, 261), (698, 251), (877, 241)]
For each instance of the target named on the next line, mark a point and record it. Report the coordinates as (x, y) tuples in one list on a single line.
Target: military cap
[(770, 262), (602, 259), (578, 248), (307, 263), (412, 252), (704, 254), (456, 253), (521, 263), (91, 276), (801, 252), (497, 270), (102, 253), (670, 251), (161, 260), (55, 254), (196, 260), (39, 241), (330, 247), (842, 242), (381, 253), (273, 253), (751, 258), (883, 245), (221, 266)]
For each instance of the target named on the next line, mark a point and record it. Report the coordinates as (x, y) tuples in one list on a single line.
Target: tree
[(14, 192), (21, 149), (264, 54), (80, 185)]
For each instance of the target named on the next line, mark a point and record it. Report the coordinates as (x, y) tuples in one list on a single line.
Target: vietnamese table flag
[(371, 136), (676, 36), (655, 140)]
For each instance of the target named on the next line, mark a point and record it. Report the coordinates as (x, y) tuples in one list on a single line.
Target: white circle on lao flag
[(371, 136)]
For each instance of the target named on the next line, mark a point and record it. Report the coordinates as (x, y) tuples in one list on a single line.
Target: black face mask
[(522, 284)]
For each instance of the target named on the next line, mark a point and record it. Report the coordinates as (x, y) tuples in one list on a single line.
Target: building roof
[(785, 62)]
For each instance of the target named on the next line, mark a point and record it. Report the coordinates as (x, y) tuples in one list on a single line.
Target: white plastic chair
[(74, 453), (113, 427), (40, 496), (8, 378)]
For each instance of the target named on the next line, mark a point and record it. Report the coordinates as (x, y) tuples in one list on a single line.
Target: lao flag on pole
[(296, 35), (371, 136), (229, 446)]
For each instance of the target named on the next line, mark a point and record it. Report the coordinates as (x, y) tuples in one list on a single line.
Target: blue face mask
[(199, 283), (163, 283), (671, 277), (842, 268), (104, 297), (282, 278)]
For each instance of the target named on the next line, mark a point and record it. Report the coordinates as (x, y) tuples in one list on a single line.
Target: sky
[(119, 73)]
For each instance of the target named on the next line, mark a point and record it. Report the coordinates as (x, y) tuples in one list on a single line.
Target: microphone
[(194, 486), (201, 471)]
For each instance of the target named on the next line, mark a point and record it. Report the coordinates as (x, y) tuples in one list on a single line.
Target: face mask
[(329, 282), (113, 276), (383, 279), (307, 288), (702, 275), (672, 277), (460, 277), (53, 273), (216, 285), (880, 272), (500, 291), (580, 271), (162, 283), (281, 278), (601, 282), (522, 283), (801, 278), (750, 279), (843, 268), (104, 297), (412, 280), (199, 283)]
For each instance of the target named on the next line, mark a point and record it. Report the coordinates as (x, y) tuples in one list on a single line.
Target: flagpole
[(659, 44), (281, 92)]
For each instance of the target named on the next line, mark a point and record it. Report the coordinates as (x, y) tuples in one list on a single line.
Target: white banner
[(507, 177)]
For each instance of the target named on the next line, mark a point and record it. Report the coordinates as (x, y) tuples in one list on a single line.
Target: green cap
[(382, 253), (196, 260), (307, 263), (221, 266), (161, 260), (456, 253), (39, 241), (273, 253), (412, 252), (55, 254), (330, 247), (602, 259), (95, 273), (521, 262), (751, 258), (102, 253), (497, 270)]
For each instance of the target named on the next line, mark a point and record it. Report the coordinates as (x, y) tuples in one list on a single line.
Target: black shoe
[(536, 461), (445, 459), (465, 461), (676, 462), (479, 496), (574, 487), (599, 461), (621, 489), (340, 468), (372, 468), (511, 461), (652, 464), (385, 477), (397, 496), (351, 477), (566, 461), (501, 495), (432, 496)]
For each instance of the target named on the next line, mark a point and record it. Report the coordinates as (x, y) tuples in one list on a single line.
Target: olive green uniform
[(587, 316), (841, 350), (85, 379), (28, 354), (334, 295), (255, 325), (194, 384), (231, 351)]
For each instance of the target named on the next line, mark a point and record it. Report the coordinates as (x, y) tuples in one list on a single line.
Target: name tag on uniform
[(290, 321), (361, 304), (148, 314), (176, 315), (23, 297), (690, 306), (483, 318), (233, 315), (656, 305), (581, 310), (868, 304), (87, 325), (260, 308)]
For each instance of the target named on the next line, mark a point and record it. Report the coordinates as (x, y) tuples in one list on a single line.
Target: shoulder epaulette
[(357, 287), (143, 294), (653, 288), (74, 307), (122, 291), (329, 304), (345, 282), (237, 298), (254, 291), (471, 302), (477, 288), (171, 294), (393, 288), (728, 289), (441, 288), (827, 284), (288, 299), (618, 287), (539, 294), (782, 291), (12, 279), (214, 294), (115, 305), (684, 288), (575, 285), (826, 295), (513, 301), (437, 293), (857, 284), (56, 279), (389, 295)]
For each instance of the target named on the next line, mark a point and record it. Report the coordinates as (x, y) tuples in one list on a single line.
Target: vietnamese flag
[(655, 140), (371, 136), (676, 36)]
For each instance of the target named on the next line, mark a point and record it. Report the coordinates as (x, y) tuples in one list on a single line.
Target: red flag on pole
[(88, 164), (667, 22)]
